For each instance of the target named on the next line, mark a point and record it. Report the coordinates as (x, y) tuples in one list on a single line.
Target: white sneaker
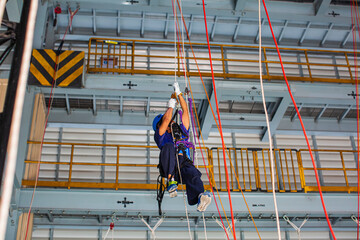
[(204, 201), (172, 189)]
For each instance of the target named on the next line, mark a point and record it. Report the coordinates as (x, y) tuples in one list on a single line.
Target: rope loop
[(227, 230), (354, 218), (297, 229), (152, 229)]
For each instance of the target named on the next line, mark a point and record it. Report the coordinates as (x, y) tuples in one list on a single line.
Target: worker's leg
[(191, 177), (167, 159), (167, 165)]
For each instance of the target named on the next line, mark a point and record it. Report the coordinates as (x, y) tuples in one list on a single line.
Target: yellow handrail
[(69, 183), (114, 55), (249, 165), (289, 174)]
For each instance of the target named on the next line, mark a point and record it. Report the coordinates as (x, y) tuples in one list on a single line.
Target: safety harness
[(181, 144)]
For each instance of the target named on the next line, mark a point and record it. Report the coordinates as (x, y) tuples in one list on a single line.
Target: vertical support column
[(103, 157), (226, 62), (317, 160), (277, 165), (242, 236), (36, 134), (336, 69), (187, 61), (100, 234), (147, 235), (40, 26), (233, 140), (22, 226), (287, 235), (24, 136), (148, 57), (148, 156), (197, 220), (51, 234), (301, 71), (57, 168), (353, 145), (12, 224)]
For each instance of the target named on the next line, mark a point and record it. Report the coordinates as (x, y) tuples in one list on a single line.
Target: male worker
[(168, 161)]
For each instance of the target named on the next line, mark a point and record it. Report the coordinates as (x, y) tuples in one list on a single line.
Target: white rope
[(150, 228), (183, 193), (106, 233), (203, 215), (298, 229), (183, 43), (227, 230), (175, 54), (268, 128), (355, 219), (12, 149)]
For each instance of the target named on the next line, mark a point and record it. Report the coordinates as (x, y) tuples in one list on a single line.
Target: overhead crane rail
[(126, 56), (123, 170)]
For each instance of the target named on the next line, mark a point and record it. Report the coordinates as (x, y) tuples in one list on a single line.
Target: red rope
[(355, 23), (302, 124), (220, 127)]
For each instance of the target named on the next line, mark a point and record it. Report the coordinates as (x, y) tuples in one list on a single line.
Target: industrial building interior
[(101, 70)]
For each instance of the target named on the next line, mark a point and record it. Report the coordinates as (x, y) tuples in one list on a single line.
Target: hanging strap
[(160, 192), (150, 228), (298, 229), (354, 218), (227, 230)]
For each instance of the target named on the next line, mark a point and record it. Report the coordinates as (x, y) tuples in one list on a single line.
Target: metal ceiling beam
[(153, 3), (207, 119), (302, 38), (41, 22), (280, 10), (321, 112), (240, 5), (213, 29), (282, 31), (190, 25), (321, 7), (236, 30), (68, 109), (145, 202), (275, 121), (94, 106), (343, 115), (147, 110), (299, 105), (346, 38), (109, 120), (323, 127), (166, 29), (118, 29), (13, 10), (142, 28), (326, 34), (258, 32), (93, 21)]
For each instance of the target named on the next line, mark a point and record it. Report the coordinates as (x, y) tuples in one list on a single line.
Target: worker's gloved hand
[(176, 88), (172, 103)]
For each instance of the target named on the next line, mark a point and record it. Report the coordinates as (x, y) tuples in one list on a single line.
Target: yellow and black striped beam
[(69, 65)]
